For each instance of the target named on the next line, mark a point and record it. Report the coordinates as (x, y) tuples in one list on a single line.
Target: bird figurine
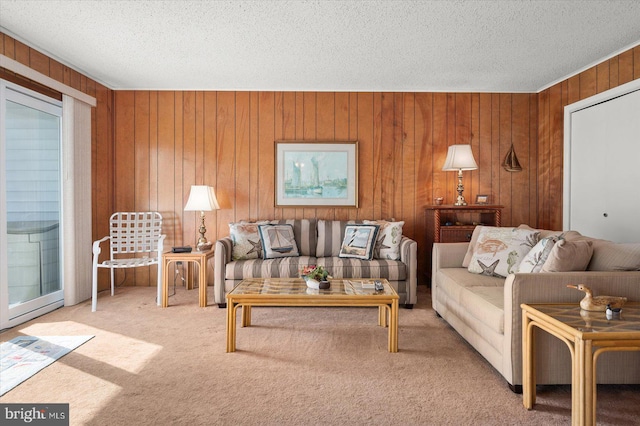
[(613, 312), (597, 303)]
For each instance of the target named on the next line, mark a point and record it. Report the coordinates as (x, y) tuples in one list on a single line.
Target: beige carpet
[(295, 366)]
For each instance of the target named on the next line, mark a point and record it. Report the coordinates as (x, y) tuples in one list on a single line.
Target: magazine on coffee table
[(366, 284)]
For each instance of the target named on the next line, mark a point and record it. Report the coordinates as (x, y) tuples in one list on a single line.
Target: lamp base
[(460, 188), (204, 246)]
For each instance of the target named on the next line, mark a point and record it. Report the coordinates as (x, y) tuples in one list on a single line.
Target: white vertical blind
[(33, 164), (76, 190)]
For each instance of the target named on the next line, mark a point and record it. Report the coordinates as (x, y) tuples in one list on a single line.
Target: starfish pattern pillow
[(388, 241), (499, 251), (246, 240)]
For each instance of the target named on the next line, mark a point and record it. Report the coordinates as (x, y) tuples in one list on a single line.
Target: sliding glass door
[(30, 205)]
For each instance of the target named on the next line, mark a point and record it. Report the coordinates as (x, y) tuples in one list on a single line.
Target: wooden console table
[(462, 219)]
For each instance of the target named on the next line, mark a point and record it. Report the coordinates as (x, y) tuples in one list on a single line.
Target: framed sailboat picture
[(316, 174)]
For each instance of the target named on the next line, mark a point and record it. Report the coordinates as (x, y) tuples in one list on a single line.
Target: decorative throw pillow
[(534, 260), (359, 241), (471, 249), (278, 241), (330, 236), (499, 251), (246, 240), (569, 256), (388, 241)]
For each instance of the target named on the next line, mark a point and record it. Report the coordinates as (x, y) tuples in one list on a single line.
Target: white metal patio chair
[(131, 234)]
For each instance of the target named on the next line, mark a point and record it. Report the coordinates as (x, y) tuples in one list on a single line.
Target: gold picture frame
[(482, 199)]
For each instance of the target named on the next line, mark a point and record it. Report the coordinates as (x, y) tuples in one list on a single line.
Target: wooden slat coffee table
[(294, 292)]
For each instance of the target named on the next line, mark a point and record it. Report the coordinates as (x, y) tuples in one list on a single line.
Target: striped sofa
[(319, 243)]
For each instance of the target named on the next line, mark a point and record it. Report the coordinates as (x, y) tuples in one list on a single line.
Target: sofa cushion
[(277, 241), (359, 241), (464, 279), (615, 257), (339, 267), (388, 241), (534, 260), (567, 256), (330, 236), (499, 251), (282, 267), (487, 305), (479, 295), (290, 267), (246, 240), (305, 234)]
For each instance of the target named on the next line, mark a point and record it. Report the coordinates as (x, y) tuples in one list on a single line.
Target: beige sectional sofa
[(319, 243), (485, 310)]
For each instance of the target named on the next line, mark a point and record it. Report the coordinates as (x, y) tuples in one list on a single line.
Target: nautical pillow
[(278, 241), (246, 240), (534, 260), (388, 241), (359, 241), (499, 251)]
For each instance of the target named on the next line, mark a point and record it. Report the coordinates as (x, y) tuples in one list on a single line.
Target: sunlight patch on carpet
[(118, 350), (23, 356)]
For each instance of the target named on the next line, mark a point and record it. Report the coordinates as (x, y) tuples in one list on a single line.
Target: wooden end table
[(198, 257), (587, 334)]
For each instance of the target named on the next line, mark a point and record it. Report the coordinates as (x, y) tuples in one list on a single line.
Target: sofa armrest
[(222, 256), (551, 287), (445, 255), (448, 255), (409, 256)]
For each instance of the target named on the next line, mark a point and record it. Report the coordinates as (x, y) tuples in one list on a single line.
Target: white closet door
[(605, 169)]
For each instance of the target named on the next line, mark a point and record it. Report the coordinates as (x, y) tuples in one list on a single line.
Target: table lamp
[(459, 158), (203, 199)]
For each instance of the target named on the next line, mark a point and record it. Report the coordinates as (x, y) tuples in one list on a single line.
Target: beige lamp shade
[(459, 157), (202, 198)]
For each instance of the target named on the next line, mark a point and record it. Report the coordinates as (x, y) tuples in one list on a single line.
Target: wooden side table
[(198, 257), (588, 335)]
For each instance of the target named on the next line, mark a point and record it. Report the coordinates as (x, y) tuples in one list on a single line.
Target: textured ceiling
[(497, 46)]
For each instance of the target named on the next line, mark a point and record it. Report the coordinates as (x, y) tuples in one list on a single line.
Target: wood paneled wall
[(149, 147), (608, 74), (166, 141)]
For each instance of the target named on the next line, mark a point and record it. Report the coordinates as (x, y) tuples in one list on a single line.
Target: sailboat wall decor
[(511, 163)]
